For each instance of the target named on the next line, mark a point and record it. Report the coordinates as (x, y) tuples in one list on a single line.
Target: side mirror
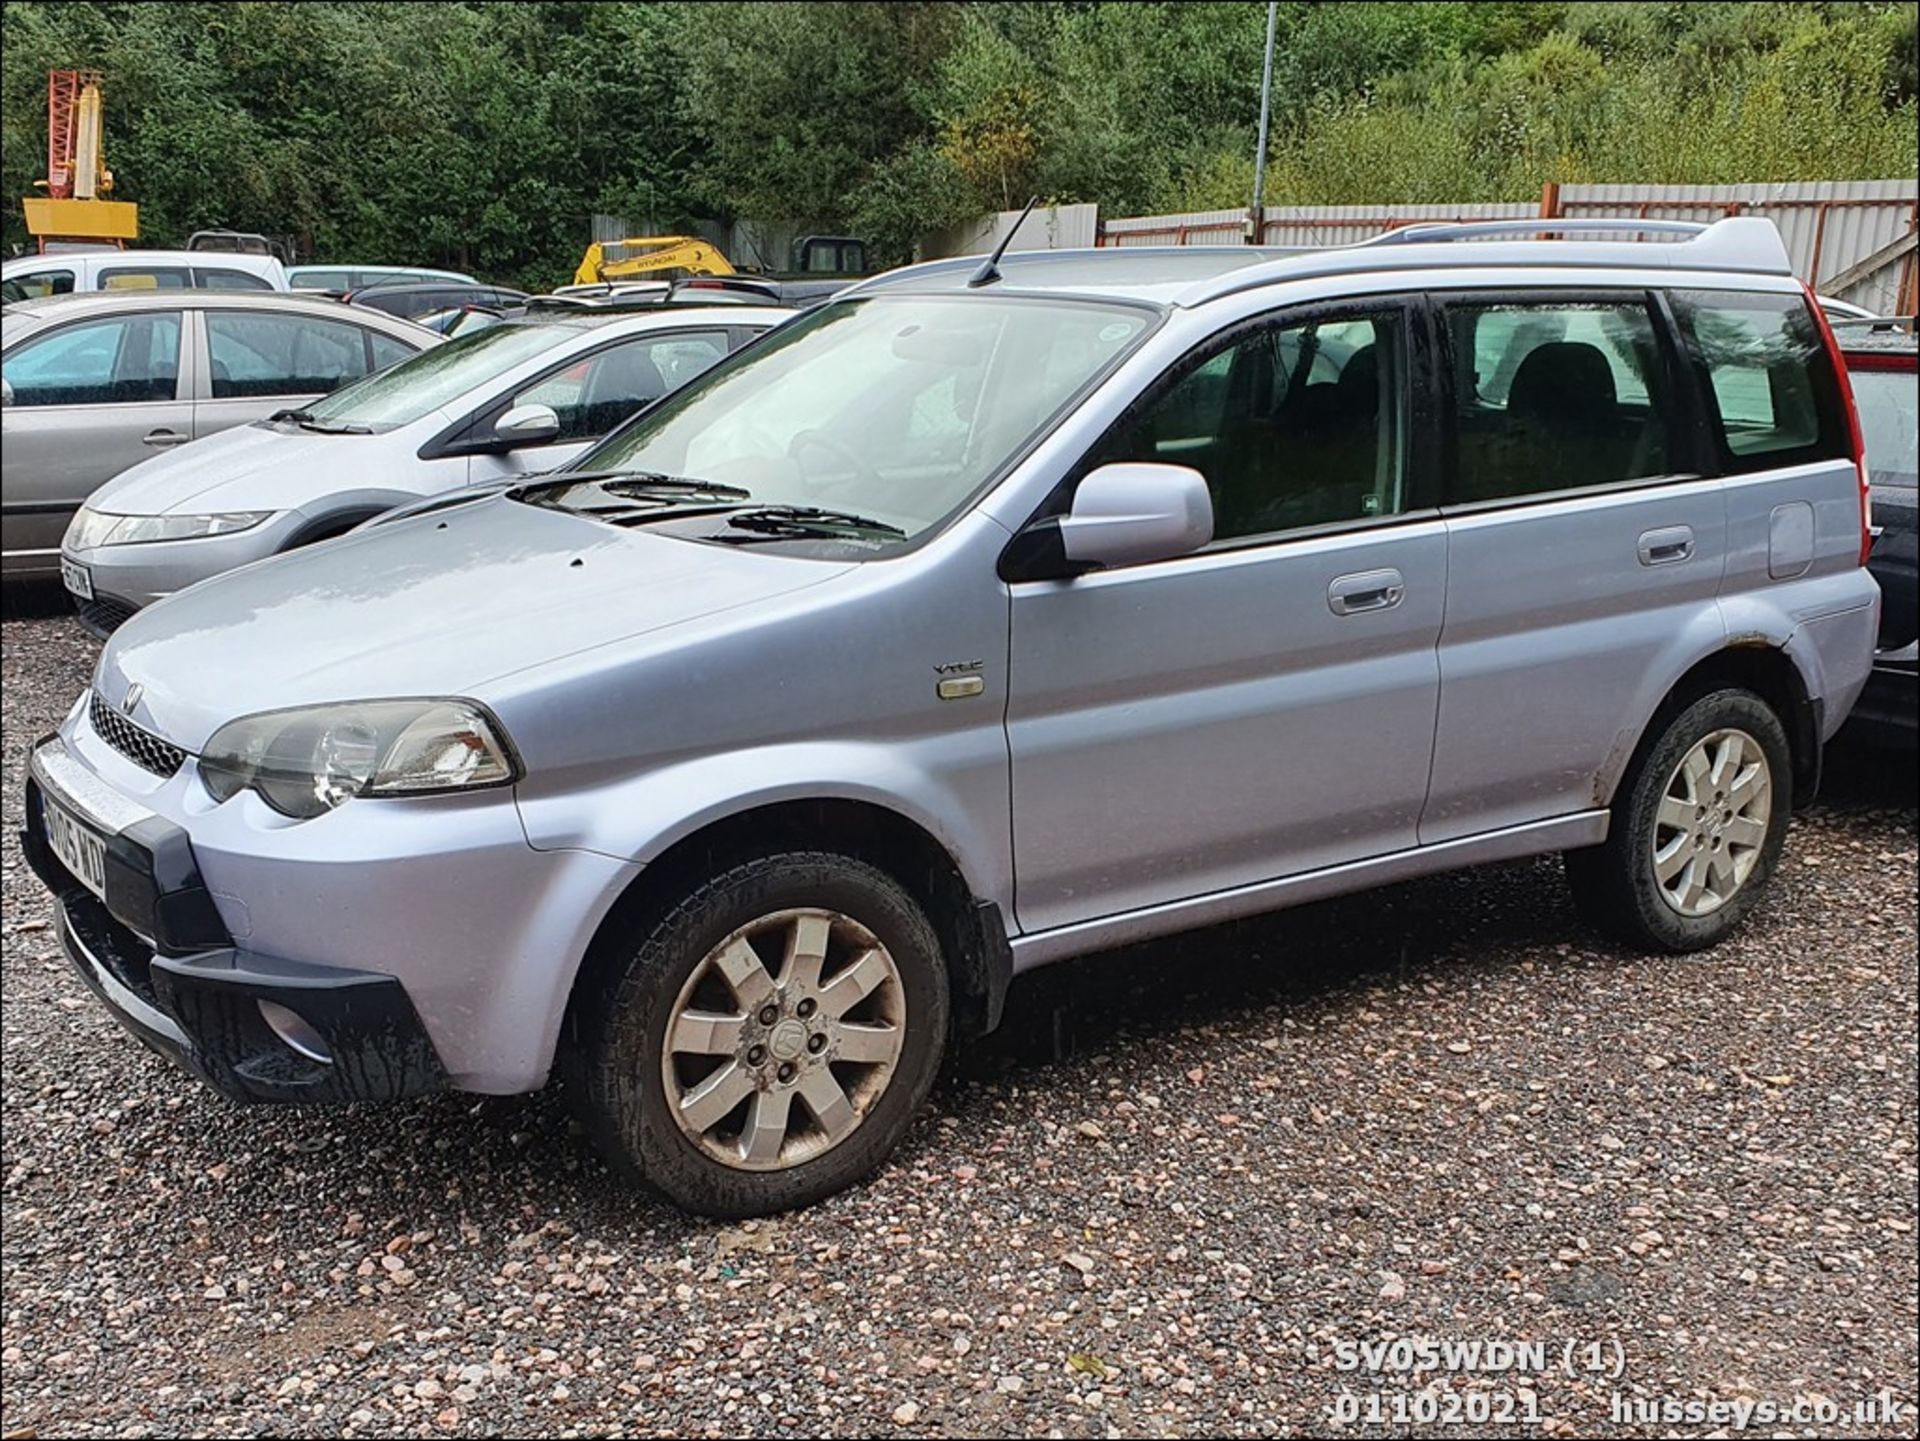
[(526, 425), (1126, 513), (6, 391)]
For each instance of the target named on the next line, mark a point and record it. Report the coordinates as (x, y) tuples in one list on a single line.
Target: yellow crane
[(74, 209), (649, 255)]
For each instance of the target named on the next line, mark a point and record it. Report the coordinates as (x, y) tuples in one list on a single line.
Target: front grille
[(143, 748), (103, 615)]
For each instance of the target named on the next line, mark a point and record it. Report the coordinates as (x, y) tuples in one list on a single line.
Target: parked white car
[(29, 277), (521, 397)]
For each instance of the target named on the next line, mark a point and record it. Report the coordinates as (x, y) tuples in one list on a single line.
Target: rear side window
[(1768, 379), (387, 351), (216, 278), (281, 354), (146, 277), (39, 283), (1556, 396)]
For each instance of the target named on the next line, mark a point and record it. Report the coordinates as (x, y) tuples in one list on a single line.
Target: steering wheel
[(819, 440)]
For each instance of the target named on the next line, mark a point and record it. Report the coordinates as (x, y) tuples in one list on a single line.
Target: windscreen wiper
[(305, 420), (791, 520), (631, 484)]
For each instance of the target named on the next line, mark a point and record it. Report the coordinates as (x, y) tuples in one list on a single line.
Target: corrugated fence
[(1854, 239)]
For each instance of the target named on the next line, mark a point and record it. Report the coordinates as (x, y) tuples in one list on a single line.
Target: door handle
[(1365, 590), (164, 437), (1667, 545)]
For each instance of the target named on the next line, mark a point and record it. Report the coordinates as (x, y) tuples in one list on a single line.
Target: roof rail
[(1747, 244), (1425, 234)]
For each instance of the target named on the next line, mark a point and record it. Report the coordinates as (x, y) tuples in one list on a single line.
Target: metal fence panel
[(1829, 226)]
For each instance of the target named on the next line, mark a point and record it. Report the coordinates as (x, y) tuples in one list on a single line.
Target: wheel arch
[(972, 932), (339, 522), (1771, 671)]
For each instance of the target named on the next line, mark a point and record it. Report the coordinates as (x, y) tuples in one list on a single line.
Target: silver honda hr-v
[(989, 615)]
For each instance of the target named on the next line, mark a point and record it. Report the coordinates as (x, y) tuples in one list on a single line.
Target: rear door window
[(118, 361), (1768, 379), (216, 277), (146, 277), (255, 354), (1556, 396)]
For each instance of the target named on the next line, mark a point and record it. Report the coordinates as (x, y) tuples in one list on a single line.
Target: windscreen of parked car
[(433, 378), (891, 409), (1889, 406)]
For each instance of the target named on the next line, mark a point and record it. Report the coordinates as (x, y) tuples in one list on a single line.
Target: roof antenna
[(989, 271)]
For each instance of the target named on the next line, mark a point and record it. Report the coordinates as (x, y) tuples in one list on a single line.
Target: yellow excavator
[(649, 255)]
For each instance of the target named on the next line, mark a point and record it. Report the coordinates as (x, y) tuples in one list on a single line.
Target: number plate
[(81, 849), (74, 576)]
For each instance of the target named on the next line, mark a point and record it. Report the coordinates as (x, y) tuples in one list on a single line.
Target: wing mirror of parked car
[(1126, 513), (6, 391), (526, 425)]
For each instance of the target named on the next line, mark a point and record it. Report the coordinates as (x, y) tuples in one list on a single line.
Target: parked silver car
[(524, 396), (96, 383), (986, 616)]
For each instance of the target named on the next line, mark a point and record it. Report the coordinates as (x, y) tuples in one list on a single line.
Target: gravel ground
[(1440, 1111)]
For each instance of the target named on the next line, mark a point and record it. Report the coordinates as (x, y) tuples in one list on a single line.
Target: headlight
[(306, 761), (89, 528), (139, 529)]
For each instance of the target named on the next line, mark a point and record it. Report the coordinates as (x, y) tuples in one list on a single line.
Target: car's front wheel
[(1698, 824), (766, 1042)]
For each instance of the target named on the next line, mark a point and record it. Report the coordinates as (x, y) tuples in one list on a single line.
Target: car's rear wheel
[(1698, 824), (766, 1042)]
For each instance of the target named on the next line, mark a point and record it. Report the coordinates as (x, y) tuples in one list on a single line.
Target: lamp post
[(1256, 212)]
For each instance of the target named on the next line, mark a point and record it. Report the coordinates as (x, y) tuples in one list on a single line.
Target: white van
[(28, 277)]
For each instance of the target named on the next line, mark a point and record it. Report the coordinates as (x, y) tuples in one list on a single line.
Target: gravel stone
[(1448, 1091)]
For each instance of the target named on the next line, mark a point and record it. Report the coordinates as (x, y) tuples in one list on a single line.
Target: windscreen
[(401, 394), (896, 408)]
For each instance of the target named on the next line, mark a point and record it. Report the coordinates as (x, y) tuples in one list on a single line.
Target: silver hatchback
[(95, 383), (985, 616)]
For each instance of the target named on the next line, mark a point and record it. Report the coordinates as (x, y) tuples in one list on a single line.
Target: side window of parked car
[(208, 277), (39, 283), (1769, 376), (117, 361), (1292, 425), (1558, 396), (281, 354), (146, 277), (595, 394), (386, 350)]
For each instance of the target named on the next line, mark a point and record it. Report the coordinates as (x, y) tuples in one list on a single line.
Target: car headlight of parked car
[(92, 528), (306, 761)]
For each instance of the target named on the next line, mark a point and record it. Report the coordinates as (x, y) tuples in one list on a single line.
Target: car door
[(260, 361), (1264, 707), (591, 394), (1583, 541), (87, 400)]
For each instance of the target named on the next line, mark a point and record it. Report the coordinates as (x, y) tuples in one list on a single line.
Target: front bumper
[(154, 950), (128, 578)]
